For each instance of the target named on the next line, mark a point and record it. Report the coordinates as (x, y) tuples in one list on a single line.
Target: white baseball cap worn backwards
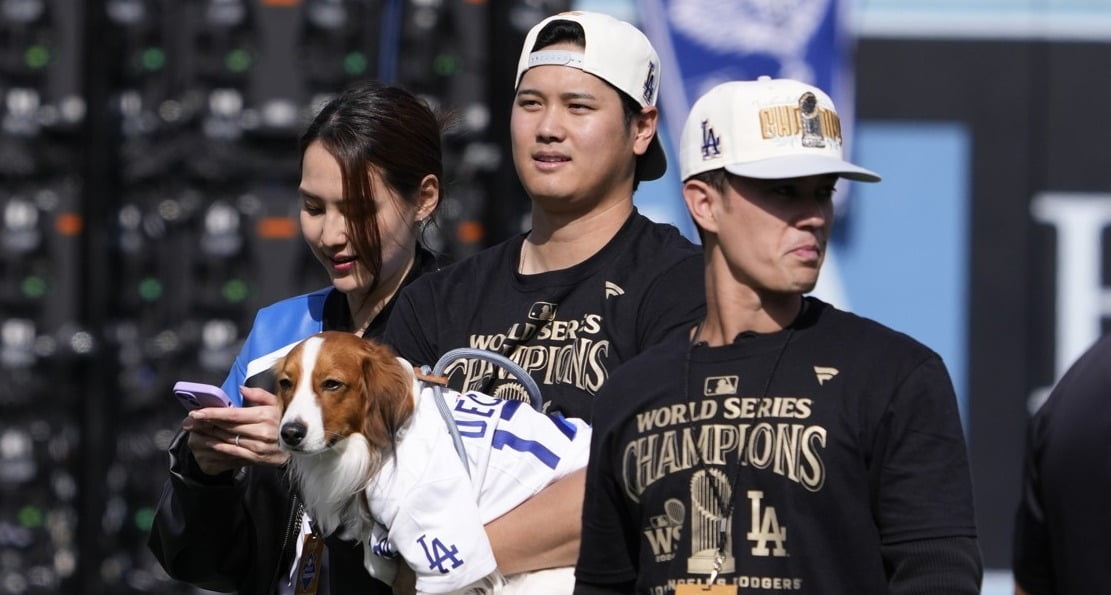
[(615, 52), (766, 129)]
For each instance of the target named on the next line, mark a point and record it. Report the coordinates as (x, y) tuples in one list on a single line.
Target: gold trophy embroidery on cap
[(810, 123), (815, 124)]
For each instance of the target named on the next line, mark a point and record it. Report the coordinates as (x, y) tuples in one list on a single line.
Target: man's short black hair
[(718, 179)]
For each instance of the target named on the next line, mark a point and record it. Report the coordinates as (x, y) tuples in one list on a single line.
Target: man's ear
[(700, 198), (428, 198), (644, 129)]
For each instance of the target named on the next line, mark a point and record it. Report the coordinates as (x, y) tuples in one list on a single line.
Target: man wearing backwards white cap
[(781, 444), (592, 284)]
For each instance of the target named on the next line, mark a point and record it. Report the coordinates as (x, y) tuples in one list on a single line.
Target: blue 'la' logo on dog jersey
[(439, 555)]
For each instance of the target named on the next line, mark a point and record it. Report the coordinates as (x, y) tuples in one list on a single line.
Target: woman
[(370, 179)]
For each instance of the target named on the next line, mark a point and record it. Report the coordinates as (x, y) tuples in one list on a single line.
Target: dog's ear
[(389, 391)]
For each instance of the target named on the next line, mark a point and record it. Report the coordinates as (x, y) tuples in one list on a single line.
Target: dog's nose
[(293, 432)]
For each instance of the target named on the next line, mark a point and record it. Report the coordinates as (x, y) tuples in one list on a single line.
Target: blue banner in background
[(705, 42)]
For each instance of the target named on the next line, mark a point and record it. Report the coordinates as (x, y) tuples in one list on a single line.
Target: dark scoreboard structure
[(148, 207)]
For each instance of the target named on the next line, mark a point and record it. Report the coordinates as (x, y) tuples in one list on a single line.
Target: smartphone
[(194, 395)]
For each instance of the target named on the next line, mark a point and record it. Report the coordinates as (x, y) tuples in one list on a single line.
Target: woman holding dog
[(371, 170)]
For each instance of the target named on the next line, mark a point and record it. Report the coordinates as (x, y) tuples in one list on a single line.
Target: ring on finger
[(237, 439)]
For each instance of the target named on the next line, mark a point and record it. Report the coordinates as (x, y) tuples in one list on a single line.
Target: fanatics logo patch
[(613, 290), (823, 373)]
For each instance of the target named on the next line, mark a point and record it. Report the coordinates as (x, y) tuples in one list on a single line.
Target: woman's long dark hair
[(373, 125)]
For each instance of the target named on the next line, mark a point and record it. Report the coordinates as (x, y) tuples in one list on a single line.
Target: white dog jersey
[(430, 512)]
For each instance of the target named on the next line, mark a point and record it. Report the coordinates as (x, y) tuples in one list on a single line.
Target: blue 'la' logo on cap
[(711, 143), (650, 83)]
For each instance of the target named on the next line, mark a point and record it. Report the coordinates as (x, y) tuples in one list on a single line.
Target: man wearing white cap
[(592, 284), (781, 445)]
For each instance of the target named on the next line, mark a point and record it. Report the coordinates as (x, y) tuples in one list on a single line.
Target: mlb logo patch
[(542, 311), (721, 385)]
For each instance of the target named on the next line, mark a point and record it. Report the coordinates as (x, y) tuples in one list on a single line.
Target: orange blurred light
[(69, 224), (277, 228), (470, 232)]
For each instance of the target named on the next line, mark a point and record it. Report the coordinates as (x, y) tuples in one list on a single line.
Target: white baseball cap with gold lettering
[(767, 129), (615, 52)]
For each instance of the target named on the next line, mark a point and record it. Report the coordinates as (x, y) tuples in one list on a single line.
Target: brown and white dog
[(371, 454)]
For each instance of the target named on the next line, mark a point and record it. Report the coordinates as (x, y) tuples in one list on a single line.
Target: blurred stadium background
[(148, 174)]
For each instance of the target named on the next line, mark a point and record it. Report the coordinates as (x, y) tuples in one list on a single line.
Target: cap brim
[(653, 164), (797, 166)]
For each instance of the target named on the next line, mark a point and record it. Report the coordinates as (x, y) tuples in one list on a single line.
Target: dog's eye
[(284, 384), (331, 384)]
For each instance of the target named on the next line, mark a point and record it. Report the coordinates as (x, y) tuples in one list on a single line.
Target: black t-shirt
[(848, 438), (1062, 527), (569, 329)]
